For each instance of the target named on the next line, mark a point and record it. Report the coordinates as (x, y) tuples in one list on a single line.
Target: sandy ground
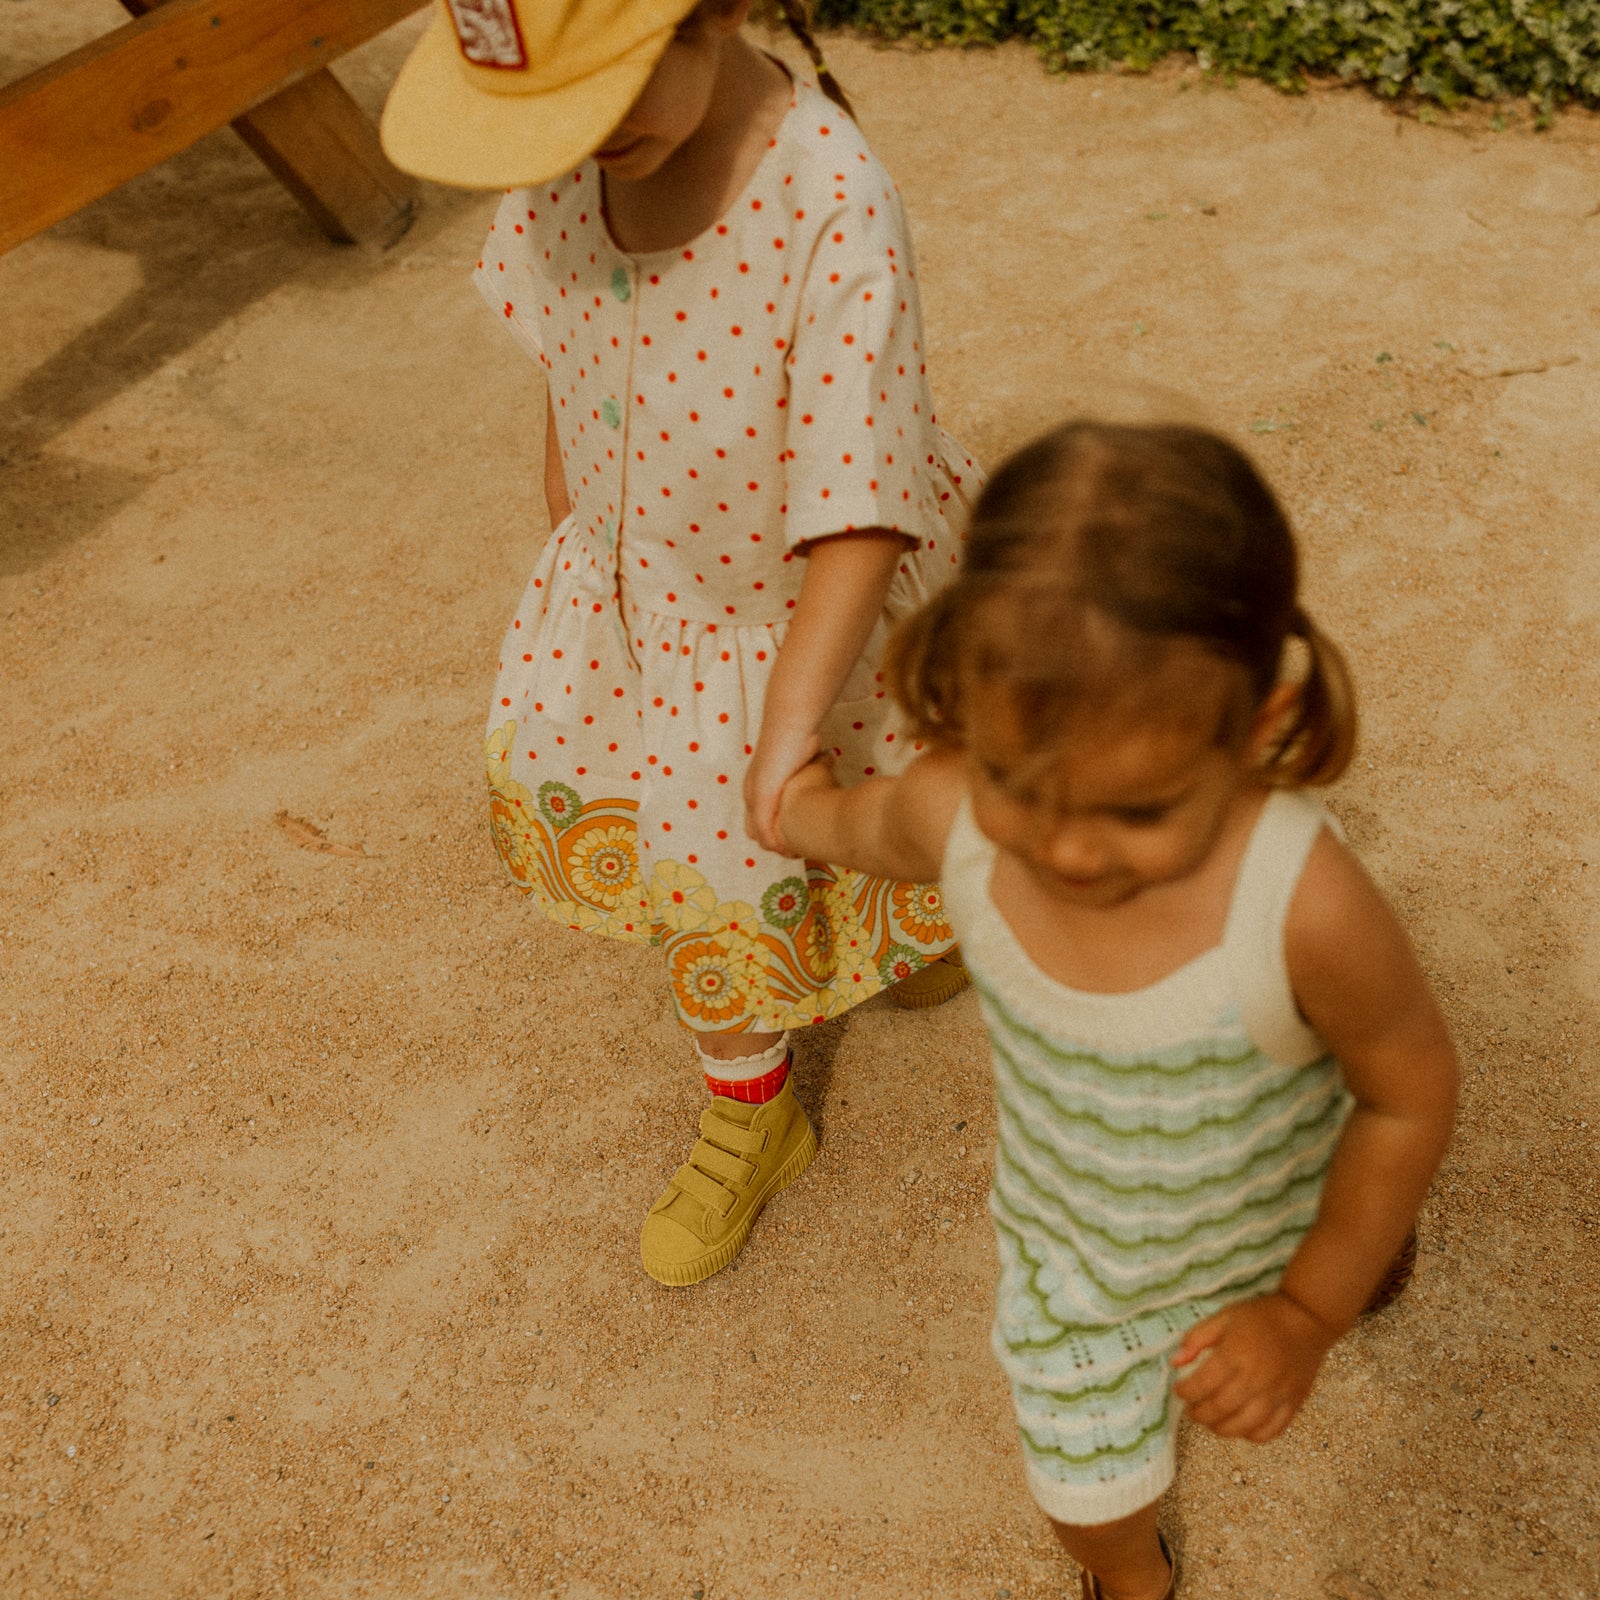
[(323, 1172)]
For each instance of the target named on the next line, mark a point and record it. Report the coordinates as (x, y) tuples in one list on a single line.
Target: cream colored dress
[(719, 406)]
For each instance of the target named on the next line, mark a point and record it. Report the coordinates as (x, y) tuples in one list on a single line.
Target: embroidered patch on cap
[(487, 32)]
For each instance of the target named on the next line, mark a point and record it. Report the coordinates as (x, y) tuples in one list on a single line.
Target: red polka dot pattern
[(718, 408)]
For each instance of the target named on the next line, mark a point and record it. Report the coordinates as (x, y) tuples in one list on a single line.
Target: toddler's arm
[(1358, 984), (893, 827), (841, 598)]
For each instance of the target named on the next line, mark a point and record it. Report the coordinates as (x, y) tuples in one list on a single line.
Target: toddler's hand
[(780, 754), (814, 777), (1264, 1357)]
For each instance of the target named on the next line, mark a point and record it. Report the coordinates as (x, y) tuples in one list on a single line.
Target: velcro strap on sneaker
[(711, 1194), (723, 1164), (747, 1141)]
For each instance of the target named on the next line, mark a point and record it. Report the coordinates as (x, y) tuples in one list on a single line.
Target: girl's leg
[(1125, 1556), (748, 1067), (730, 1046), (754, 1140)]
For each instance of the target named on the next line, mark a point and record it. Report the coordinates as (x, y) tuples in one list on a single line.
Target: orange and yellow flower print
[(684, 901), (511, 809), (823, 939), (708, 984), (601, 861), (919, 909)]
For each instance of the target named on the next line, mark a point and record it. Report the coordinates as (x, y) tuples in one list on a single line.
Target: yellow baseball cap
[(504, 93)]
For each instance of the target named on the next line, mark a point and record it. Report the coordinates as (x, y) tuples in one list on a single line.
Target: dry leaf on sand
[(310, 837), (1521, 371), (1346, 1586)]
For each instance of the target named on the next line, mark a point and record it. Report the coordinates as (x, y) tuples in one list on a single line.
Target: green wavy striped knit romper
[(1160, 1154)]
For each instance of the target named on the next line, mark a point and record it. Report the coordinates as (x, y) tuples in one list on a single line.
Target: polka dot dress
[(719, 406)]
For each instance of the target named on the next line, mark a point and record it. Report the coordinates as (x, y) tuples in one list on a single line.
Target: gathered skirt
[(616, 751)]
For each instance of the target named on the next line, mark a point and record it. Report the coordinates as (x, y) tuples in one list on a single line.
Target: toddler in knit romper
[(1223, 1084)]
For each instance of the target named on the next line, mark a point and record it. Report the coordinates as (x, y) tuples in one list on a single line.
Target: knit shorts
[(1095, 1410)]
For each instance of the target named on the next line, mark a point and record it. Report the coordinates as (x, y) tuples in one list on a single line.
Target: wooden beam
[(317, 142), (121, 105), (321, 146)]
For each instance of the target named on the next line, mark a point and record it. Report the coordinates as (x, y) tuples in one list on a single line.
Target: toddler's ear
[(1271, 721)]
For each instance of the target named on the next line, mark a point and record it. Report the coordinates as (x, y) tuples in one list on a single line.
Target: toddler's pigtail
[(794, 13), (1322, 738), (922, 672)]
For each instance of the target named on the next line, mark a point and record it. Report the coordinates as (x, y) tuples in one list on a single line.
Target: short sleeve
[(504, 274), (861, 444)]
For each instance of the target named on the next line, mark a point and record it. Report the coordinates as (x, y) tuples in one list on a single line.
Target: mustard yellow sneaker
[(744, 1156), (929, 986)]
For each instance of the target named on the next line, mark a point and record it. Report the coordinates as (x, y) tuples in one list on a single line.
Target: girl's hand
[(841, 599), (781, 752), (1264, 1358)]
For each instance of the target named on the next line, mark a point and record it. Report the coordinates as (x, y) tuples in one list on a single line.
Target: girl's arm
[(841, 598), (556, 499), (893, 827), (1358, 984)]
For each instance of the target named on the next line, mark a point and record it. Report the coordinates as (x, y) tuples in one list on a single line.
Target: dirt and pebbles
[(321, 1171)]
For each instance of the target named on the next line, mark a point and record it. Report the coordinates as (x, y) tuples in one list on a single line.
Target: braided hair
[(795, 15)]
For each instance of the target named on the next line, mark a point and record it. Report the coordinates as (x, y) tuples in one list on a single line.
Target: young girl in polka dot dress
[(748, 489)]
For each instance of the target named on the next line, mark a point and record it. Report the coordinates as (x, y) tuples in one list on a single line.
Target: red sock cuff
[(753, 1091)]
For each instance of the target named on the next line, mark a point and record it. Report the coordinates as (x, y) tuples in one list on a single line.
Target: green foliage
[(1442, 50)]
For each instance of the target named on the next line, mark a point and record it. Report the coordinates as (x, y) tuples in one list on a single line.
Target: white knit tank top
[(1167, 1143)]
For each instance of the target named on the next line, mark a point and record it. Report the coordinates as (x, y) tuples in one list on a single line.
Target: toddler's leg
[(1122, 1560), (754, 1140)]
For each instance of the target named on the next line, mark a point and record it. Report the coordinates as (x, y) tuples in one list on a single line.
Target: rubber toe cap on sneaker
[(668, 1242)]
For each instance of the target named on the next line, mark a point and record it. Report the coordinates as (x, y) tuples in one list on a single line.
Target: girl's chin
[(631, 160), (1110, 890)]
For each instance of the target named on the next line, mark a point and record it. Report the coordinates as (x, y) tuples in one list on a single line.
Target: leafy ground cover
[(1444, 51)]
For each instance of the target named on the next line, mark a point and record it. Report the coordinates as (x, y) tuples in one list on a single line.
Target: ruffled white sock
[(752, 1079)]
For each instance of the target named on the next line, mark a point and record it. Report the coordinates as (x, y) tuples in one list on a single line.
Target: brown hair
[(1095, 549)]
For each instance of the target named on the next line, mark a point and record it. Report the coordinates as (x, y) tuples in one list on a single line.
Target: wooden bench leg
[(318, 143), (122, 104)]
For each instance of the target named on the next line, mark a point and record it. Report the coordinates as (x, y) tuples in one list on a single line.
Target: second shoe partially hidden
[(942, 979), (744, 1156)]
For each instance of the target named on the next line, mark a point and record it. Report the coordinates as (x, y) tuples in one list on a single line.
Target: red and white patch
[(487, 32)]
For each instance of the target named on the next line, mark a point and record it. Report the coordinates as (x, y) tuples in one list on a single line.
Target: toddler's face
[(1120, 804), (673, 104)]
